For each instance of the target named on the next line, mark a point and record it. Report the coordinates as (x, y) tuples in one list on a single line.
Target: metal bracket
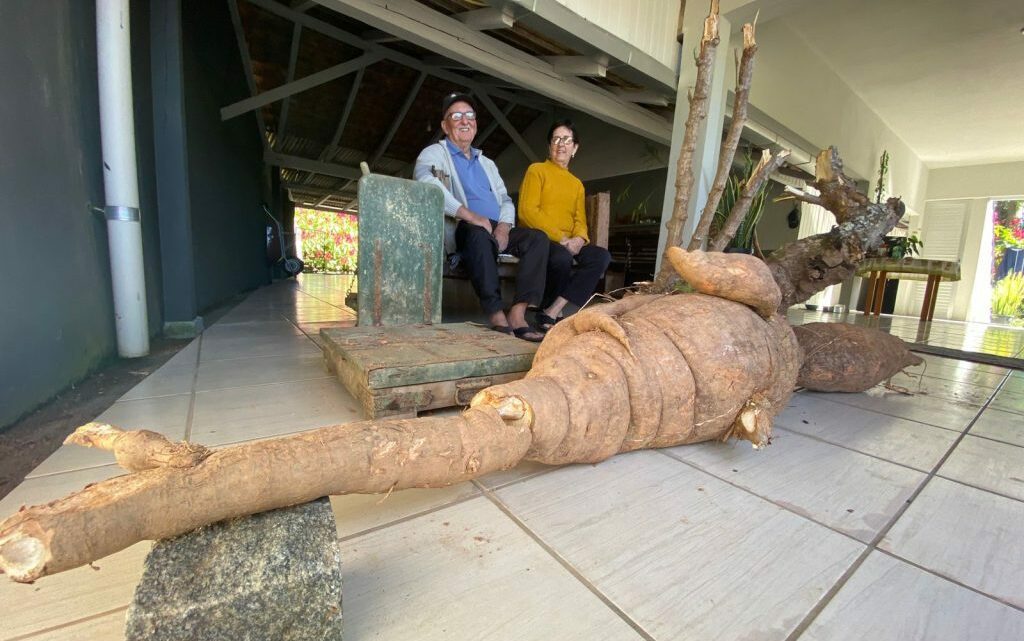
[(122, 213)]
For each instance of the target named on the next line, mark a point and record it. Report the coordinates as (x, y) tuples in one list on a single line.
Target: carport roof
[(331, 90)]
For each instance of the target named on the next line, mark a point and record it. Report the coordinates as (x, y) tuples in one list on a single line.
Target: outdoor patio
[(882, 515)]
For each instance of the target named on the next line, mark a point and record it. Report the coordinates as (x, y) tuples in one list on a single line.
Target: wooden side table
[(879, 270)]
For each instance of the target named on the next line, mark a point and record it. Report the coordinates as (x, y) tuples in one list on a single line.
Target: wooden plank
[(599, 214), (401, 235), (412, 355), (353, 353)]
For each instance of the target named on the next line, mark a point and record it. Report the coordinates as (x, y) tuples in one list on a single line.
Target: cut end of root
[(753, 424), (23, 557), (99, 435)]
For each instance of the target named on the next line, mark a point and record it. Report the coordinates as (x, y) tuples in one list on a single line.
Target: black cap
[(453, 98)]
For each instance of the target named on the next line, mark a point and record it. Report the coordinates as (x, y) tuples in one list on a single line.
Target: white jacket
[(438, 157)]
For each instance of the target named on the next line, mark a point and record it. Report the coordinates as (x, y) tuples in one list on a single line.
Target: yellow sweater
[(551, 200)]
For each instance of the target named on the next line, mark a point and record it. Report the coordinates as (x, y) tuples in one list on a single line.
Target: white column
[(709, 138), (120, 180)]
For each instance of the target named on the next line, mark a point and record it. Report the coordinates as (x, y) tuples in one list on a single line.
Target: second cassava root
[(643, 372)]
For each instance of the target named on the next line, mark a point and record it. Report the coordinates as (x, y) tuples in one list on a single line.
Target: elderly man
[(476, 200)]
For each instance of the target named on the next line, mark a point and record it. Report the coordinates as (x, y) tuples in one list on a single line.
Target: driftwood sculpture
[(651, 370)]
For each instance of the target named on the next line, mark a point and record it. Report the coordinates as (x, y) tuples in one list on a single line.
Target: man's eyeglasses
[(561, 140), (459, 115)]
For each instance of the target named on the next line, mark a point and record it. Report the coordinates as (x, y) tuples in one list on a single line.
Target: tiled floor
[(882, 515)]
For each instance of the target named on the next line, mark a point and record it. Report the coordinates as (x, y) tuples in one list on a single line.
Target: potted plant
[(905, 246), (743, 241)]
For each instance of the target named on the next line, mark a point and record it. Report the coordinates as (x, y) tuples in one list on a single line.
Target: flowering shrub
[(330, 240)]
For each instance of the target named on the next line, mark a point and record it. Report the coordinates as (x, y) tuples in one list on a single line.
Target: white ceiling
[(947, 76)]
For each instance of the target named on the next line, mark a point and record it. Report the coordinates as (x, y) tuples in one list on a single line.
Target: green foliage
[(330, 240), (744, 237), (1007, 229), (1008, 296), (905, 247), (883, 172)]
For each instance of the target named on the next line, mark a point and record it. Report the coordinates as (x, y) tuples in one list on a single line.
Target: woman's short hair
[(568, 124)]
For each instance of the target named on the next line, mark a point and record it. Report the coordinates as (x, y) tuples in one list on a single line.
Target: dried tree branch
[(807, 266), (684, 167), (732, 138), (765, 167)]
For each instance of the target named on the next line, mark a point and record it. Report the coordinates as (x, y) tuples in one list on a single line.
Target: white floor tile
[(165, 414), (260, 411), (990, 465), (43, 489), (465, 573), (1009, 401), (888, 600), (895, 439), (969, 535), (945, 389), (926, 409), (959, 375), (186, 356), (522, 471), (845, 490), (166, 381), (683, 554), (108, 627), (357, 513), (1000, 425), (232, 348), (73, 595), (242, 372), (257, 330)]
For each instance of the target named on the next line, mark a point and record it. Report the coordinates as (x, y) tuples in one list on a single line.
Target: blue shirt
[(480, 197)]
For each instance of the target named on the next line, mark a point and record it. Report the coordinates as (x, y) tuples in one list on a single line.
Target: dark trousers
[(479, 251), (575, 284)]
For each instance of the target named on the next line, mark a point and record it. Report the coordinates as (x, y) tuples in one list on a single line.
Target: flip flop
[(502, 329), (545, 322), (524, 332)]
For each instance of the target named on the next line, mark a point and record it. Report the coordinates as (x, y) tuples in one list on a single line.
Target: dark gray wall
[(57, 321), (225, 160)]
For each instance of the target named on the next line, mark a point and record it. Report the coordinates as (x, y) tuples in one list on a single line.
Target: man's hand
[(501, 235), (574, 244), (473, 218)]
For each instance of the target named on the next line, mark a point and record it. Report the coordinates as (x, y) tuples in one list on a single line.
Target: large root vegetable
[(646, 371), (847, 358)]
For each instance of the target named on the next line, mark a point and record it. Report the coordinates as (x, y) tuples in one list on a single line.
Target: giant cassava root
[(643, 372)]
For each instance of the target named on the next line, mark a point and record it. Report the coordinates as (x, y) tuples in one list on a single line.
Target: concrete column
[(181, 319), (709, 138)]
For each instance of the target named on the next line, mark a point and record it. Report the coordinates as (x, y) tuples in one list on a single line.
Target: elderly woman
[(551, 200)]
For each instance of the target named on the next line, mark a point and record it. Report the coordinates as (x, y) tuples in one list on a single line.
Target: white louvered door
[(942, 232)]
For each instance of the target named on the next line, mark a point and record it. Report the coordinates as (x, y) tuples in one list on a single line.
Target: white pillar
[(709, 138), (120, 180)]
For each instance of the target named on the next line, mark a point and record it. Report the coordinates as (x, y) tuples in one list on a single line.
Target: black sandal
[(502, 329), (545, 322), (524, 332)]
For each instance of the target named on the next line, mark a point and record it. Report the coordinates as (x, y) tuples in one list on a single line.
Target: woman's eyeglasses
[(459, 115), (561, 140)]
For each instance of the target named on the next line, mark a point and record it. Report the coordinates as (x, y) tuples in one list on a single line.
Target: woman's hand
[(574, 244)]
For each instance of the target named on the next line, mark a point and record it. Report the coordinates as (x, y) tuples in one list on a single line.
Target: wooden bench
[(598, 207)]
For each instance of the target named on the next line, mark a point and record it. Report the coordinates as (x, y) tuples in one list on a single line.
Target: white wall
[(795, 87), (977, 181), (648, 25)]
